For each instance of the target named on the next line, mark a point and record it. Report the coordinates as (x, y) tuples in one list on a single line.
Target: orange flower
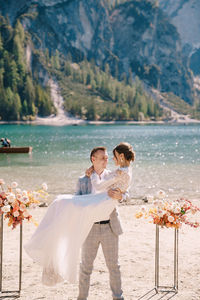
[(138, 215), (10, 222), (16, 207)]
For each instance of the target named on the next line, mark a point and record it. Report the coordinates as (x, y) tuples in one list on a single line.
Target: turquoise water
[(167, 156)]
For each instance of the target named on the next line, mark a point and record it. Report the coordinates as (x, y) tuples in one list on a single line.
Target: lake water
[(167, 156)]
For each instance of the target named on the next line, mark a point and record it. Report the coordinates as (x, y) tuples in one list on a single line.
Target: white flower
[(25, 199), (16, 214), (160, 194), (186, 204), (11, 197), (160, 203), (2, 181), (19, 197), (170, 218), (26, 214), (14, 184), (160, 213), (24, 193), (22, 207), (177, 210), (18, 191), (5, 208), (44, 186)]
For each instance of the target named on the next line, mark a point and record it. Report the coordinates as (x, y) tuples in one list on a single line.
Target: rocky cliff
[(185, 15), (150, 45), (135, 38)]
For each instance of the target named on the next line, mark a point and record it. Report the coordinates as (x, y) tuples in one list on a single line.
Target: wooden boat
[(16, 150)]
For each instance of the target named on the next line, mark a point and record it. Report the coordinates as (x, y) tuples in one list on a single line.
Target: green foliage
[(93, 94), (18, 90), (45, 107)]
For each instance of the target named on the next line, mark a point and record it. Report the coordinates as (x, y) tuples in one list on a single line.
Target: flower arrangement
[(168, 213), (14, 202)]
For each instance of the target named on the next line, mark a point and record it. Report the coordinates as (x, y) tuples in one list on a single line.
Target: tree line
[(21, 97)]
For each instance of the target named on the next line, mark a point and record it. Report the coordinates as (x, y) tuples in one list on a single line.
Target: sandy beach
[(137, 245)]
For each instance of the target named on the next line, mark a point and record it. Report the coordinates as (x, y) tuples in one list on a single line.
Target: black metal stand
[(13, 294), (158, 287)]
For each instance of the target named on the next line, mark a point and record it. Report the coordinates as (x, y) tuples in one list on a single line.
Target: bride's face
[(117, 158)]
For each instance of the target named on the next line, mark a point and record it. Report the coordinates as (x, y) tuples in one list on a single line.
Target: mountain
[(134, 38), (185, 15), (31, 79)]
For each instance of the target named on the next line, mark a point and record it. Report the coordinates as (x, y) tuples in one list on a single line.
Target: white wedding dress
[(57, 241)]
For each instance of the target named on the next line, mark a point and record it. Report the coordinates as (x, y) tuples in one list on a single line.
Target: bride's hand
[(119, 172), (115, 194), (89, 171)]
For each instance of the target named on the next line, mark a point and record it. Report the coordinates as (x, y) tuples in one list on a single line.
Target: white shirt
[(99, 178)]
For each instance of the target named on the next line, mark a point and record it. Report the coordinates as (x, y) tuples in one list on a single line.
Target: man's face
[(100, 159)]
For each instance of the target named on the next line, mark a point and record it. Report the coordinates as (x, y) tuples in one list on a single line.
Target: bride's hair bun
[(126, 149)]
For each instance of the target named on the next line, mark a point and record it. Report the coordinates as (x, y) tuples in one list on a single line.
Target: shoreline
[(78, 122)]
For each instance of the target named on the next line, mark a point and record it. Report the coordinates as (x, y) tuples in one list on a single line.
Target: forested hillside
[(93, 94), (21, 97)]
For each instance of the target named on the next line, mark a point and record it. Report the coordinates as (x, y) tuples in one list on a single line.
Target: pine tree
[(17, 107), (1, 47), (91, 111), (29, 94), (47, 57), (24, 108), (1, 77), (107, 69), (18, 50), (13, 76), (67, 68), (57, 60), (19, 30)]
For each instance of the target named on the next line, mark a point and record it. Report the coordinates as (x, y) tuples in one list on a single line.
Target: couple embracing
[(85, 220)]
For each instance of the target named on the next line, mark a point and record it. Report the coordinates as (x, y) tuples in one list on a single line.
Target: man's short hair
[(95, 150)]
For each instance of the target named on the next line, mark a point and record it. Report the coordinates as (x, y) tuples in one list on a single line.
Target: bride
[(57, 241)]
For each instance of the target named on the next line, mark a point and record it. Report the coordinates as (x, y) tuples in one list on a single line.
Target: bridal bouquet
[(14, 202), (168, 213)]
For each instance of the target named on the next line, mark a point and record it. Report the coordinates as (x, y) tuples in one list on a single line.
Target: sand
[(136, 256)]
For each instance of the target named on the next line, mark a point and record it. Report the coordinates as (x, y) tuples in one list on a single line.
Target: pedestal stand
[(10, 293), (162, 288)]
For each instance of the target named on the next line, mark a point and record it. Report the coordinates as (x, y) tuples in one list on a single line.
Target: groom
[(105, 232)]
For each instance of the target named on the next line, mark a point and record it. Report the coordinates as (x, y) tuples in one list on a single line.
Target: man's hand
[(89, 171), (115, 194)]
